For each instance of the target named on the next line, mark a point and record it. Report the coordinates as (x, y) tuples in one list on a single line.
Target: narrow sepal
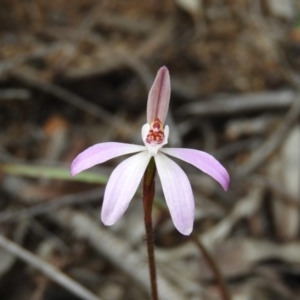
[(159, 96), (100, 153), (203, 161)]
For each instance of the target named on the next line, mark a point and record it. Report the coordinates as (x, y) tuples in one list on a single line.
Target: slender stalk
[(224, 291), (148, 196)]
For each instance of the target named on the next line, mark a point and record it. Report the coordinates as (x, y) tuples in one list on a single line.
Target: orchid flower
[(127, 176)]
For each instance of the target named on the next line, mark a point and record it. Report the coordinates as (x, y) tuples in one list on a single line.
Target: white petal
[(122, 186), (178, 193), (145, 131), (166, 132)]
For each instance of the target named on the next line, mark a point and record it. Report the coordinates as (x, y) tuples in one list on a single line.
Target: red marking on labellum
[(156, 133)]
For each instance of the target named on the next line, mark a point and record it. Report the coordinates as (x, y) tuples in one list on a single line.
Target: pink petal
[(178, 193), (159, 96), (122, 186), (203, 161), (100, 153)]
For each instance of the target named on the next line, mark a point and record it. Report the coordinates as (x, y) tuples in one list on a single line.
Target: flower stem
[(224, 291), (148, 196)]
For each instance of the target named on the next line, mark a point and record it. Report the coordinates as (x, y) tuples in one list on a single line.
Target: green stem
[(224, 291), (148, 196)]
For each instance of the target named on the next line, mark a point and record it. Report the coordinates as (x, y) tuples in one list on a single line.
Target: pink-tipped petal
[(178, 193), (100, 153), (122, 186), (159, 96), (203, 161)]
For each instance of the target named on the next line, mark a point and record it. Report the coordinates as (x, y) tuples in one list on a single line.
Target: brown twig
[(8, 64), (260, 155), (55, 204), (14, 94), (240, 104), (115, 249), (44, 267), (72, 99), (224, 291)]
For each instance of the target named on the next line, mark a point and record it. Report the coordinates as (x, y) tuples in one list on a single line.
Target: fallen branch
[(259, 156), (50, 271), (240, 104), (115, 250)]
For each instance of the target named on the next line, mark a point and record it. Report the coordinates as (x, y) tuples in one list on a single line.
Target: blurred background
[(76, 73)]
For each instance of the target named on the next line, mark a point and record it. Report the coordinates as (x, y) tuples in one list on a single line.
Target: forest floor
[(76, 73)]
